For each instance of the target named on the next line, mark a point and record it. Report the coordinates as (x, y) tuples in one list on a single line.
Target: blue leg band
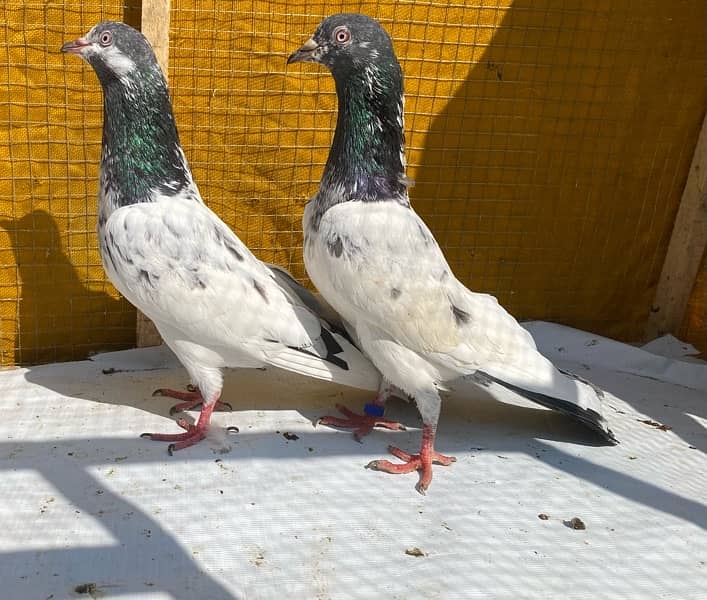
[(373, 410)]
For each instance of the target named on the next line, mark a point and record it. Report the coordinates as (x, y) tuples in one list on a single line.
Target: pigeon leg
[(415, 462), (189, 400), (372, 417), (191, 436)]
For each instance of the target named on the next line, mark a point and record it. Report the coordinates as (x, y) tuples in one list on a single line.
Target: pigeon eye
[(342, 35), (106, 38)]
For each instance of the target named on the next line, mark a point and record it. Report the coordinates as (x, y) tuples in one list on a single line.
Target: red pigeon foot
[(415, 462), (362, 424), (190, 400), (192, 435)]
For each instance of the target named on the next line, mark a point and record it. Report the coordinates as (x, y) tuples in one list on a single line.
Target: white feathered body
[(214, 303), (379, 266)]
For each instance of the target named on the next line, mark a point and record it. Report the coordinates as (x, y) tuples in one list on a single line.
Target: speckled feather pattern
[(215, 304), (377, 263)]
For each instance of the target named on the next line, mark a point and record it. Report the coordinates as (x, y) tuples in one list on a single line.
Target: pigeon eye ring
[(106, 38), (342, 35)]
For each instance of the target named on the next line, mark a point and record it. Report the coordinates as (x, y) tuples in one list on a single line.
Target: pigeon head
[(116, 51), (367, 157), (346, 44), (141, 155)]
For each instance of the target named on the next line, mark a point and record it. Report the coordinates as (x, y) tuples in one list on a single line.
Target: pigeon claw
[(361, 424), (413, 462), (189, 396), (191, 435), (191, 400), (177, 408), (190, 439), (197, 404)]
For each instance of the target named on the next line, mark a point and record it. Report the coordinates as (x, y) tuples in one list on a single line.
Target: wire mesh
[(549, 142), (55, 303)]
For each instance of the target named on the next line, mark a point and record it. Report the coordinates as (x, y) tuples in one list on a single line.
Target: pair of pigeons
[(369, 254)]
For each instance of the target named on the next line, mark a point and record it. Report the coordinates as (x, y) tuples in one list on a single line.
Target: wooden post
[(685, 251), (155, 27)]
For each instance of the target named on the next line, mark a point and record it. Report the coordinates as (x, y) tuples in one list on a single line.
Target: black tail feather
[(586, 416)]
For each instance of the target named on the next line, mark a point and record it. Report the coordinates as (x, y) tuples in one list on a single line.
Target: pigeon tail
[(585, 415)]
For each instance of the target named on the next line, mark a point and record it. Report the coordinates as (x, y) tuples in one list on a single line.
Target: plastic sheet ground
[(282, 509)]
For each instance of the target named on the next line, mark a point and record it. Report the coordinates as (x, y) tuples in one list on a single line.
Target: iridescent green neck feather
[(366, 161), (141, 154)]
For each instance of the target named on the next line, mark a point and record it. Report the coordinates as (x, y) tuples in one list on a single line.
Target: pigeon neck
[(367, 157), (141, 156)]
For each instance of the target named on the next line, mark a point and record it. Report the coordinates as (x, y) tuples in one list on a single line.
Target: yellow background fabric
[(549, 142)]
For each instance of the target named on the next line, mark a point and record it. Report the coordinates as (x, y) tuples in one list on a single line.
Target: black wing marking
[(332, 349)]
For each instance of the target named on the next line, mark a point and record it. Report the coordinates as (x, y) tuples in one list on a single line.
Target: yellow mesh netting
[(549, 142), (55, 302)]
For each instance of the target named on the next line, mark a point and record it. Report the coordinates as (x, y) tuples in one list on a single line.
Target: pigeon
[(214, 303), (376, 262)]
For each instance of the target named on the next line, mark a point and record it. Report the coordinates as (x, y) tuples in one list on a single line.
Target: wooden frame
[(685, 251), (155, 16)]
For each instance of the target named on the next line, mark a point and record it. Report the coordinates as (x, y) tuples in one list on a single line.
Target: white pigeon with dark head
[(377, 263), (214, 303)]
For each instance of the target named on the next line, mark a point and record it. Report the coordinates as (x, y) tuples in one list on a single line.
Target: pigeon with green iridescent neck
[(214, 303), (377, 263)]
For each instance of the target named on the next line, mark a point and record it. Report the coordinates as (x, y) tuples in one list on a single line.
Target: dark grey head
[(366, 161), (141, 151), (116, 51), (346, 43)]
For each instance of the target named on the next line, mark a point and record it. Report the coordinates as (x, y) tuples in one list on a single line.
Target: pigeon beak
[(77, 46), (305, 53)]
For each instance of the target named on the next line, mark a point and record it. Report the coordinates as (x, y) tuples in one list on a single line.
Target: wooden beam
[(154, 25), (685, 251)]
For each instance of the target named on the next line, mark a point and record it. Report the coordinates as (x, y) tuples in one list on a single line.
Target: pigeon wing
[(183, 267), (403, 285)]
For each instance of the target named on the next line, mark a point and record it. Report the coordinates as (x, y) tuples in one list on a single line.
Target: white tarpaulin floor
[(285, 510)]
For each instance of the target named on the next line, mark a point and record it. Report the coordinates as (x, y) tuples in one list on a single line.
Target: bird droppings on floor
[(86, 500), (660, 426), (87, 588), (575, 523)]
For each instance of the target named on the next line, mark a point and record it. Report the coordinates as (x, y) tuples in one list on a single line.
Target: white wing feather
[(187, 271), (400, 285)]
